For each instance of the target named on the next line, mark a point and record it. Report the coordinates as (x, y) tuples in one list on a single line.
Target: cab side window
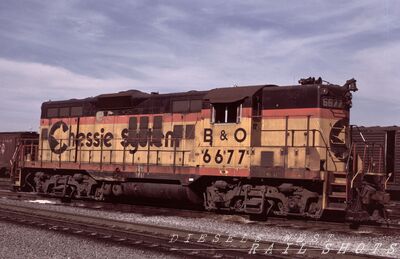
[(226, 112)]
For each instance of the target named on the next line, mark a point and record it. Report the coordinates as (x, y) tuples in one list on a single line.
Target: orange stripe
[(246, 112), (124, 119), (189, 117), (205, 113)]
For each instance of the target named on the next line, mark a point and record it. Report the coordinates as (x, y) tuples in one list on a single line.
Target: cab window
[(226, 113)]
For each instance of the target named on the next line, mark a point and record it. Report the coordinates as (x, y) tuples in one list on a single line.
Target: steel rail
[(156, 237), (293, 223)]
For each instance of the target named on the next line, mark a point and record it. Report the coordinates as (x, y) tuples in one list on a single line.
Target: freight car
[(384, 151), (8, 146), (260, 150)]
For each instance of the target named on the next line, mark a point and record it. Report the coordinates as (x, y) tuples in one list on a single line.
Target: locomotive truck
[(260, 150)]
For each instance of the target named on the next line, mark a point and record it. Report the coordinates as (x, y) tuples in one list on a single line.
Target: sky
[(56, 50)]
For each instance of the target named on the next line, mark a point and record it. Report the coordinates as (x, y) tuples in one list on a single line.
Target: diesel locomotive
[(260, 150)]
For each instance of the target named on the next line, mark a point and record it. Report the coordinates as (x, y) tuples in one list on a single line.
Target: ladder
[(15, 172), (254, 200), (337, 191)]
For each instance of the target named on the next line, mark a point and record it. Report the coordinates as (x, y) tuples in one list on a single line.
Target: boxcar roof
[(379, 128), (19, 133)]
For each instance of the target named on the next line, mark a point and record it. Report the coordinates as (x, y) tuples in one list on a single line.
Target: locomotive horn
[(351, 85)]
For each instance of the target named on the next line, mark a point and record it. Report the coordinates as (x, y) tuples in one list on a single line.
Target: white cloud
[(25, 85), (74, 49), (20, 76), (377, 69)]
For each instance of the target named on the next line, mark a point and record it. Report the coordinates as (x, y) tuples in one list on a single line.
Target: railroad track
[(160, 238), (291, 223), (18, 195), (5, 183)]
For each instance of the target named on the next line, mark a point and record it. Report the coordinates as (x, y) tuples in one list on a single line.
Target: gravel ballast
[(18, 241), (363, 242)]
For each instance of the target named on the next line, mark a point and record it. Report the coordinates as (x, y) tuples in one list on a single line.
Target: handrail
[(354, 177), (371, 156), (348, 159), (387, 180), (313, 130), (35, 150), (327, 149), (13, 159), (76, 141), (368, 144)]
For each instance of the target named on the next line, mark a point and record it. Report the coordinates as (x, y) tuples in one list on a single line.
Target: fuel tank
[(161, 191)]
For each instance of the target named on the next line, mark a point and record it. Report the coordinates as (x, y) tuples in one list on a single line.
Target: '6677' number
[(219, 157)]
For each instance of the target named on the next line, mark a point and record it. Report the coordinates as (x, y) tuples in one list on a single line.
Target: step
[(340, 173), (255, 193), (253, 210), (253, 202), (336, 206), (340, 180), (341, 195), (377, 174), (338, 184)]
